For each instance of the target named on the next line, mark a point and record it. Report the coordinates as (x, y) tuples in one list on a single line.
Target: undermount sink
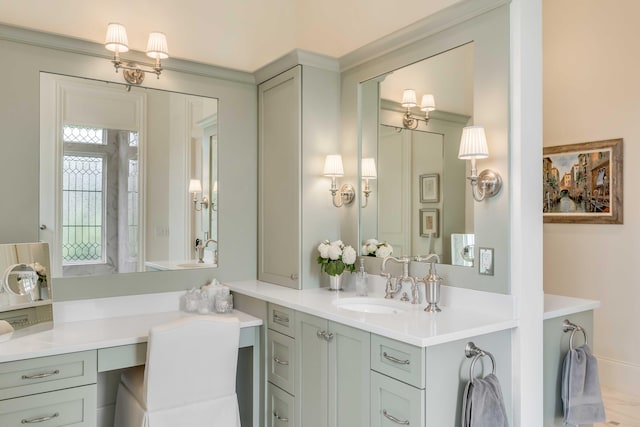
[(369, 305), (195, 265)]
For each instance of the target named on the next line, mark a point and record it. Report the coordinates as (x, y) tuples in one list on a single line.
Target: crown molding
[(426, 27), (83, 47), (293, 58)]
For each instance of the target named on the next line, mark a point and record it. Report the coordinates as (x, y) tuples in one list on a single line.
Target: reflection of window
[(601, 177), (100, 170), (82, 204)]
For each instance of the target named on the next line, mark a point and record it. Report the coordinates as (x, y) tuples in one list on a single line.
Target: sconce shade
[(369, 168), (473, 144), (409, 98), (157, 46), (333, 165), (116, 39), (428, 103), (195, 186)]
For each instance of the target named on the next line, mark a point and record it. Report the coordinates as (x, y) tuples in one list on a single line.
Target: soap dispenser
[(361, 280), (433, 282)]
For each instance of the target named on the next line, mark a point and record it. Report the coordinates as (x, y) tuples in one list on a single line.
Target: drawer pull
[(42, 375), (394, 360), (279, 418), (280, 319), (280, 362), (394, 419), (39, 419)]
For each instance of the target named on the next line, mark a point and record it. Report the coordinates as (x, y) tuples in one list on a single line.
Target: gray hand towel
[(483, 404), (581, 398)]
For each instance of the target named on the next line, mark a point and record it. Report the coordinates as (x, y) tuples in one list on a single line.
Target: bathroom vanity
[(64, 374), (336, 359)]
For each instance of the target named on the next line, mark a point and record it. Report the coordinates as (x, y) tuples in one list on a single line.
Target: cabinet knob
[(328, 337), (43, 227), (294, 276), (321, 334)]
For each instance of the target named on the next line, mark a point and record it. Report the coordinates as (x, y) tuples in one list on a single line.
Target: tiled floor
[(622, 410)]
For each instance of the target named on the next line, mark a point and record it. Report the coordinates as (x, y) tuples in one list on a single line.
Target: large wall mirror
[(419, 202), (128, 177)]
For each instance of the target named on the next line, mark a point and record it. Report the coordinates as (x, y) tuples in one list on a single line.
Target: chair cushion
[(133, 380)]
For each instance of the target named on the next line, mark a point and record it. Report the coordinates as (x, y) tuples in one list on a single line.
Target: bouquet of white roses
[(335, 257), (378, 249)]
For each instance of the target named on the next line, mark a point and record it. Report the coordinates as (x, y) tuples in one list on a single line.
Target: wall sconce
[(195, 187), (333, 168), (116, 41), (368, 172), (473, 145), (409, 100)]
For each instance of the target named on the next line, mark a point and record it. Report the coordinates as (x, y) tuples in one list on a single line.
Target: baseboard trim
[(620, 376)]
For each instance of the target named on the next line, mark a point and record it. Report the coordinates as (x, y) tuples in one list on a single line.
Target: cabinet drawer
[(281, 357), (31, 376), (395, 403), (70, 407), (281, 319), (398, 360), (281, 408)]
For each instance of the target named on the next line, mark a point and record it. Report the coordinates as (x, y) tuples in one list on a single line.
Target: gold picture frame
[(582, 183)]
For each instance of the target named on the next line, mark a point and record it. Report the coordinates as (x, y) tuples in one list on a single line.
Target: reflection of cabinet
[(334, 373), (58, 388), (298, 122)]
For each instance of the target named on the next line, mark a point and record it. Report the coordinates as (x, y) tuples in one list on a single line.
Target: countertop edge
[(559, 305)]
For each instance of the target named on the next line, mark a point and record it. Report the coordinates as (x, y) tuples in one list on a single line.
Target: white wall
[(591, 93)]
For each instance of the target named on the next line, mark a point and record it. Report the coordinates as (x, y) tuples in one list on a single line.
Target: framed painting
[(429, 188), (429, 222), (582, 183)]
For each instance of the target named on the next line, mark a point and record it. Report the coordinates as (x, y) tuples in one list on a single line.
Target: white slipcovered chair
[(189, 379)]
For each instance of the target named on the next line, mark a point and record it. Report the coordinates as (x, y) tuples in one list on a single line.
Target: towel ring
[(568, 326), (471, 350)]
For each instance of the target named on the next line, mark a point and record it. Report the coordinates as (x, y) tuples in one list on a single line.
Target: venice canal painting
[(583, 182)]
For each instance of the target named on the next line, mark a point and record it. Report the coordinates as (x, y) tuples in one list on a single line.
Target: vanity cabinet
[(55, 390), (334, 379), (298, 125), (281, 366)]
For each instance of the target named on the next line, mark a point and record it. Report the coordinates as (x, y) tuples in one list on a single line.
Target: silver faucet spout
[(200, 250), (392, 289)]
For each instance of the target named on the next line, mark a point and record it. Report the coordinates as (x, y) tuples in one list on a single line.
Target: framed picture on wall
[(429, 188), (582, 183), (429, 224)]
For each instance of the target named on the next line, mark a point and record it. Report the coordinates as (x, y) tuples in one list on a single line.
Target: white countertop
[(187, 264), (85, 333), (474, 313), (557, 305)]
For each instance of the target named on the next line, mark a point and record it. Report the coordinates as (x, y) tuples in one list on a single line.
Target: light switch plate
[(485, 265)]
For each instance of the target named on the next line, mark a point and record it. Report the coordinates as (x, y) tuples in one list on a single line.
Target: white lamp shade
[(116, 39), (409, 98), (428, 103), (333, 165), (369, 168), (157, 46), (473, 144), (195, 186)]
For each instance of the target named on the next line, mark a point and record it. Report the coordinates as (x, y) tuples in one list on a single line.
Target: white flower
[(334, 252), (384, 251), (337, 243), (349, 255), (323, 248), (371, 246)]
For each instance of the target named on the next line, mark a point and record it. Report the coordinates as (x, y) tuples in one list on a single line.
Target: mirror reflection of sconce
[(116, 41), (409, 101), (473, 146), (195, 187), (333, 169), (368, 172)]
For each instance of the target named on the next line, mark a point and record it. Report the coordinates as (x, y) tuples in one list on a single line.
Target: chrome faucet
[(392, 289), (200, 250), (431, 282)]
